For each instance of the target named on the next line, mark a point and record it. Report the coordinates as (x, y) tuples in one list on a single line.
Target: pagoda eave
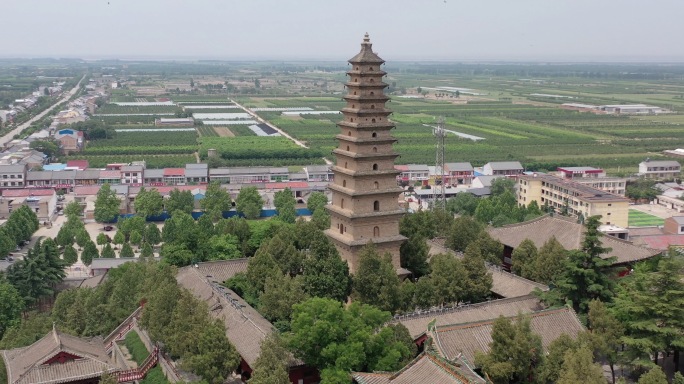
[(367, 112), (352, 193), (351, 215), (363, 126), (352, 173), (373, 140), (355, 72), (365, 156), (362, 242)]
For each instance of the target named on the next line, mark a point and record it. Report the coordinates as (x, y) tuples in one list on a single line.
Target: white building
[(660, 169), (632, 109)]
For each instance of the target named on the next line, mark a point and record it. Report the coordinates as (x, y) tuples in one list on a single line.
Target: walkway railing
[(122, 330), (140, 372)]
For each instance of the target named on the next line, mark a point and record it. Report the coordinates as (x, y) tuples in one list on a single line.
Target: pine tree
[(524, 258), (126, 251), (448, 279), (70, 255), (89, 253), (271, 366), (260, 268), (550, 261), (146, 250), (414, 254), (479, 280), (376, 282), (579, 367), (605, 333), (325, 273), (108, 252)]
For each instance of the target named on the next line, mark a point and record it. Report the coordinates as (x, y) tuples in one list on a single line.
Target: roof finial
[(366, 38)]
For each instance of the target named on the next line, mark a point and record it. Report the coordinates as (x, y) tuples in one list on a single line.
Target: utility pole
[(440, 134)]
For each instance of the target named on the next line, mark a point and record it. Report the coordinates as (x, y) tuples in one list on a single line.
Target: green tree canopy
[(524, 258), (413, 254), (148, 203), (479, 279), (316, 200), (216, 201), (249, 202), (180, 201), (579, 367), (126, 251), (106, 204), (281, 292), (89, 253), (271, 366), (11, 306), (285, 203), (325, 273), (108, 252), (146, 250), (463, 231), (376, 282), (70, 255)]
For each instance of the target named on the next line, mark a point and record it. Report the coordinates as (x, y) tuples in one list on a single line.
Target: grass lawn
[(136, 347), (641, 219)]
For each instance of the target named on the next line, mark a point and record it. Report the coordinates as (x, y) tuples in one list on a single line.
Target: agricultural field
[(257, 151), (643, 219)]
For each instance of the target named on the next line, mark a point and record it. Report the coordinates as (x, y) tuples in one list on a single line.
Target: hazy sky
[(556, 30)]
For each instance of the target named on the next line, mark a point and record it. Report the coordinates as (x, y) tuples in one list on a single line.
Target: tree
[(462, 232), (479, 280), (108, 252), (176, 254), (654, 376), (181, 229), (148, 203), (223, 247), (650, 304), (490, 249), (146, 250), (65, 236), (285, 203), (70, 255), (586, 276), (73, 209), (463, 203), (678, 378), (287, 257), (261, 267), (249, 202), (213, 357), (89, 253), (108, 378), (524, 258), (82, 238), (513, 353), (152, 234), (419, 224), (376, 282), (501, 185), (48, 147), (448, 279), (102, 239), (579, 367), (38, 273), (271, 366), (337, 339), (550, 261), (180, 201), (413, 254), (119, 238), (106, 205), (316, 200), (551, 367), (321, 218), (325, 273), (216, 201), (11, 306), (605, 333), (136, 238), (126, 251), (281, 292)]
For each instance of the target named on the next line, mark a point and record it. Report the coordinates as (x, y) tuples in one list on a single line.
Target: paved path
[(262, 121), (10, 136)]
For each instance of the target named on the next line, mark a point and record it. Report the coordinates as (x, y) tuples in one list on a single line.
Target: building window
[(341, 228), (376, 185), (349, 133), (344, 183), (345, 164), (375, 149), (370, 68), (375, 167), (372, 106), (371, 80), (376, 205), (376, 231), (372, 120), (372, 93), (347, 148), (352, 120), (374, 134), (342, 203)]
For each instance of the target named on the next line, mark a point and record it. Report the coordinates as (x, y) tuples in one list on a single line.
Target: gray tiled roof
[(12, 168), (458, 167), (505, 165), (570, 235), (26, 365), (222, 270), (153, 173), (468, 338)]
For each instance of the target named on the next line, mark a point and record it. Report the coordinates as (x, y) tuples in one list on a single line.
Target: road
[(8, 137), (262, 121)]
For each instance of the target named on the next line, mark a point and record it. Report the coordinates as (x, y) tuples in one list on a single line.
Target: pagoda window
[(342, 203), (375, 167), (345, 164), (356, 80), (376, 185), (371, 80), (352, 120), (372, 93), (341, 228), (375, 149), (349, 133), (374, 134), (372, 120), (372, 106), (376, 231), (347, 148), (355, 92), (353, 106), (370, 68), (376, 205), (344, 183)]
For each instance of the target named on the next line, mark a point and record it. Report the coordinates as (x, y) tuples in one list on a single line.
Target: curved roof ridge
[(420, 314)]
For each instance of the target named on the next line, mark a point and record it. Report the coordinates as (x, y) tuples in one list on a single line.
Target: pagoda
[(365, 194)]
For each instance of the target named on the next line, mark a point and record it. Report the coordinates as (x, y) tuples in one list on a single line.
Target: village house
[(41, 201), (660, 169), (12, 175), (70, 140), (503, 168)]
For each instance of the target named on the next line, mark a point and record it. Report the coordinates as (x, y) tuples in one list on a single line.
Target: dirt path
[(224, 132), (197, 157), (262, 121)]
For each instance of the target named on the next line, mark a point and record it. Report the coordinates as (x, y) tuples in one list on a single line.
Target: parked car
[(108, 228)]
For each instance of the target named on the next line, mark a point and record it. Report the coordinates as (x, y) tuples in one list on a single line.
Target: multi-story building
[(660, 169), (674, 225), (132, 174), (42, 201), (614, 185), (70, 140), (580, 172), (566, 196), (503, 168), (459, 173), (318, 173), (365, 194), (196, 173), (412, 173), (12, 176)]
